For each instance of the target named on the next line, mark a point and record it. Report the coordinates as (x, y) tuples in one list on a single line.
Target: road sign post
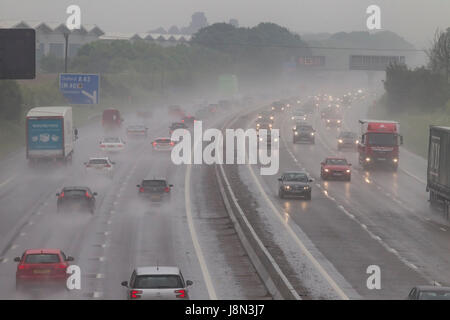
[(80, 88)]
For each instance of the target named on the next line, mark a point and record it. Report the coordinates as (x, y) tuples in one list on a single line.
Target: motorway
[(192, 231), (325, 245)]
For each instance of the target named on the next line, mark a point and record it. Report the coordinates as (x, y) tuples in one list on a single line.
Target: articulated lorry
[(438, 169), (49, 135), (379, 143)]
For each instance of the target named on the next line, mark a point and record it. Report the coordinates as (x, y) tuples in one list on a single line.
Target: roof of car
[(98, 158), (290, 172), (433, 288), (75, 188), (36, 251), (335, 158), (157, 270)]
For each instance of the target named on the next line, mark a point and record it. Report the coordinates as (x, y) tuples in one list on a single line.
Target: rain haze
[(225, 150)]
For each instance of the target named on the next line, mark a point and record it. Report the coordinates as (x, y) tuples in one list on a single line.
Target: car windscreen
[(98, 161), (136, 127), (153, 183), (158, 282), (42, 258), (347, 135), (337, 162), (382, 139), (304, 128), (299, 177), (434, 295), (111, 140)]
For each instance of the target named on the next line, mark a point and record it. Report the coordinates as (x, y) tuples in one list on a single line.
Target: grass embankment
[(414, 126)]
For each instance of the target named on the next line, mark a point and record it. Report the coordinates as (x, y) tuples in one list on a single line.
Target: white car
[(102, 165), (163, 144), (112, 144), (157, 283)]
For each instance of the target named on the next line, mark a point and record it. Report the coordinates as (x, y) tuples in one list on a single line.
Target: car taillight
[(141, 189), (172, 143), (107, 166), (167, 189), (154, 144), (61, 195), (180, 293), (88, 195), (135, 294), (182, 120), (22, 267), (102, 146)]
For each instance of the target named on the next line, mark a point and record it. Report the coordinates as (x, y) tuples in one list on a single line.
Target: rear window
[(153, 183), (337, 162), (163, 140), (111, 140), (98, 161), (158, 282), (304, 128), (75, 193), (42, 258), (434, 295)]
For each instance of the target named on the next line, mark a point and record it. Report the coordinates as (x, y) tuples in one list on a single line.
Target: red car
[(42, 266), (337, 168)]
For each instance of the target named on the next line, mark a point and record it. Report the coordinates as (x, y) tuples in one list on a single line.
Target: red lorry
[(111, 119), (379, 143)]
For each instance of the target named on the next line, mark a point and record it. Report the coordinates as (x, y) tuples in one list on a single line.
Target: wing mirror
[(17, 259), (311, 180), (170, 185), (57, 194), (401, 139), (69, 258), (138, 185), (189, 283), (124, 283), (95, 194), (279, 179)]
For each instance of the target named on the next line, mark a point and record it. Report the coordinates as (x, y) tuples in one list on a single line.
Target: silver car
[(157, 283)]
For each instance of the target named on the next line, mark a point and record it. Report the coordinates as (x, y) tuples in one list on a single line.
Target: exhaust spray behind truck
[(379, 143), (49, 134)]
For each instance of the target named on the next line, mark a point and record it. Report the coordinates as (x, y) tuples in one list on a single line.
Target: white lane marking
[(4, 183), (97, 294), (443, 229), (5, 260), (413, 176), (198, 250), (308, 254), (99, 276)]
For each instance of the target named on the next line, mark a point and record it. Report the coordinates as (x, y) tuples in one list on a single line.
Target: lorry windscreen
[(382, 139)]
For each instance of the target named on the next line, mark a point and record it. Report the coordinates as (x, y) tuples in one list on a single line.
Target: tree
[(439, 54)]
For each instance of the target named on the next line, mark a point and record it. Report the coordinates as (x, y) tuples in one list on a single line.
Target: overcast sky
[(415, 20)]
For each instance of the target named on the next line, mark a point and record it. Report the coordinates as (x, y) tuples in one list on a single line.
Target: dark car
[(429, 293), (295, 183), (303, 132), (78, 198), (188, 120), (177, 125), (38, 267), (155, 189), (347, 139)]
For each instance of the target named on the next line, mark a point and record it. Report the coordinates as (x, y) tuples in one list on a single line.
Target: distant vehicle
[(102, 165), (325, 112), (266, 116), (39, 267), (188, 120), (299, 115), (177, 125), (264, 123), (137, 130), (278, 106), (337, 168), (438, 168), (295, 183), (429, 293), (303, 132), (380, 143), (333, 119), (347, 139), (163, 144), (111, 119), (213, 107), (112, 144), (266, 142), (78, 198), (155, 189), (157, 283), (49, 135), (175, 111)]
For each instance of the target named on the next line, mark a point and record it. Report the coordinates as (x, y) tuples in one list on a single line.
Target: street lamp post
[(66, 37)]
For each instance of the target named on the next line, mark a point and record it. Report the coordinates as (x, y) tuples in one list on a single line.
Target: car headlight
[(340, 141), (328, 120), (312, 133), (357, 141), (296, 133), (339, 121), (260, 139), (288, 105), (395, 160), (292, 118), (270, 125), (276, 139), (348, 170), (271, 117), (287, 187), (367, 159), (326, 170), (306, 187)]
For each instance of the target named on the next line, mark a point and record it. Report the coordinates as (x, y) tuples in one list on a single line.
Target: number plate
[(42, 271)]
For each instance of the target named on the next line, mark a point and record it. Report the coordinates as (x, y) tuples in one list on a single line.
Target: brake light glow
[(107, 166), (88, 195), (180, 293), (135, 294), (172, 143), (141, 189), (154, 144), (167, 189), (61, 195)]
